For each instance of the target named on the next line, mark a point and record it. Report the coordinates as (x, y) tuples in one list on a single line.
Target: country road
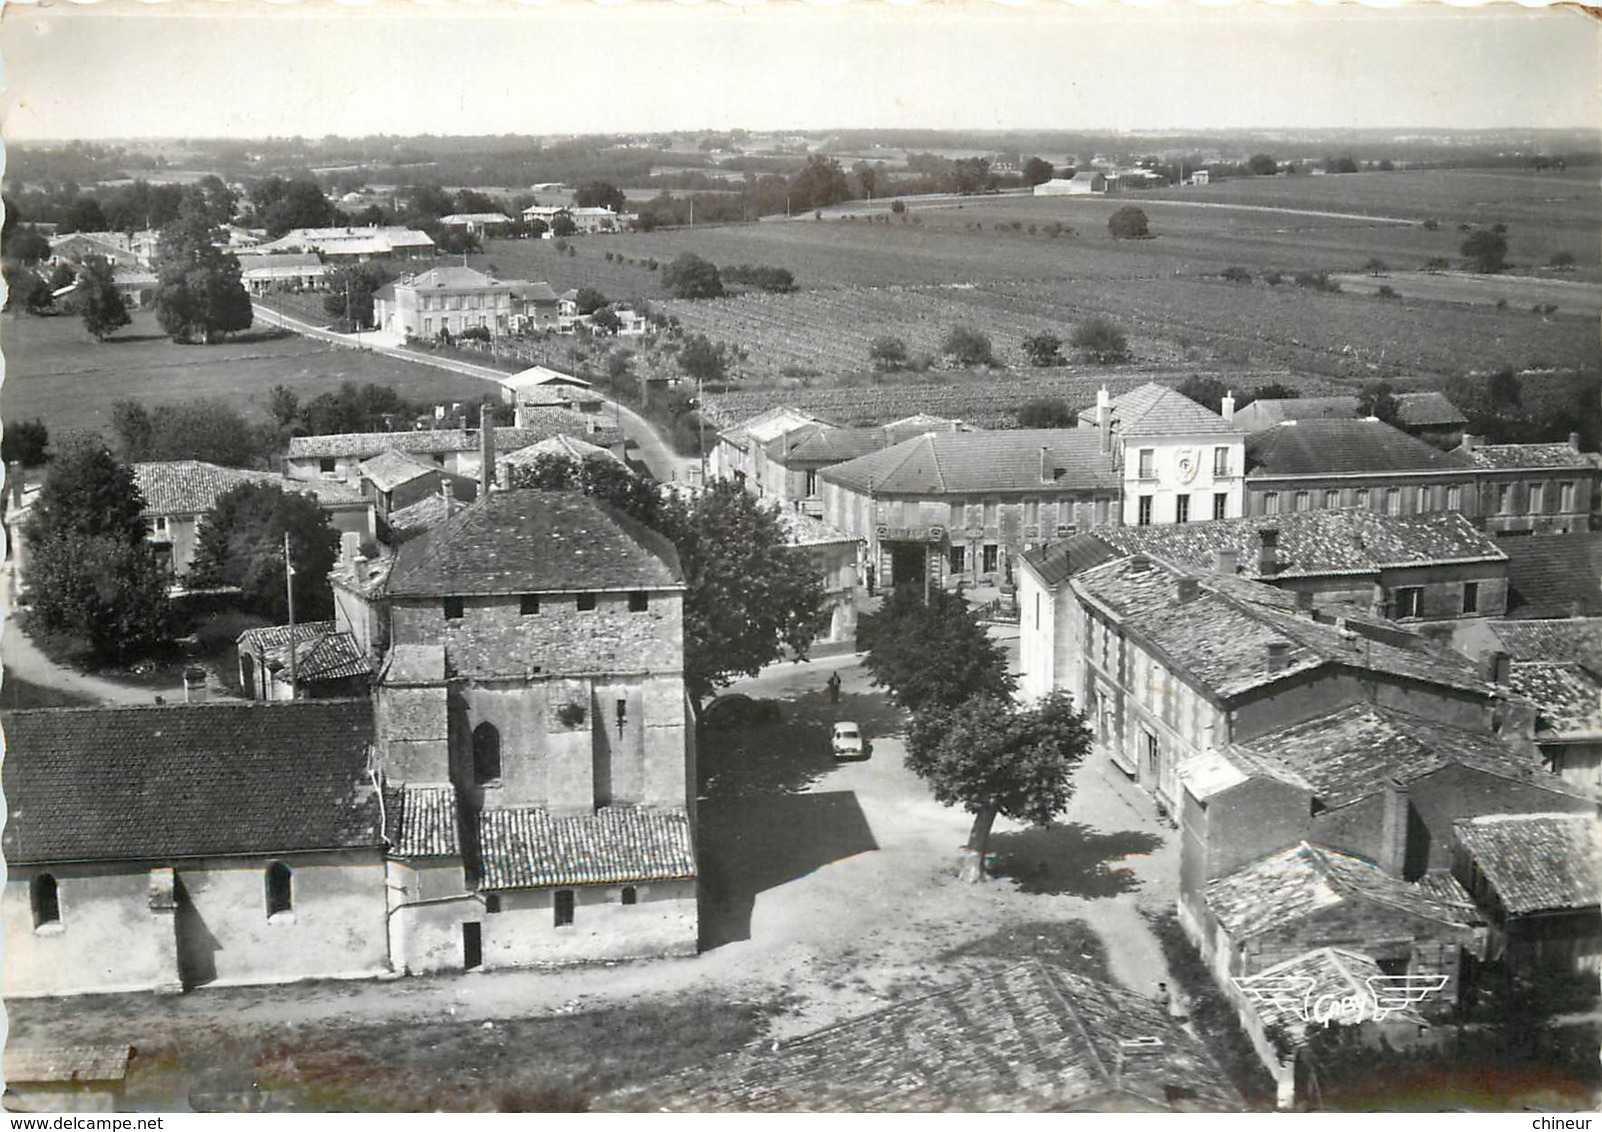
[(651, 448)]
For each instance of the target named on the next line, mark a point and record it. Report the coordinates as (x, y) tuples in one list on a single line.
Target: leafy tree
[(351, 288), (1485, 250), (691, 277), (1236, 274), (589, 300), (1101, 341), (1045, 412), (1562, 261), (602, 477), (205, 429), (776, 280), (888, 354), (1375, 399), (1376, 266), (606, 321), (24, 442), (934, 654), (562, 225), (998, 760), (1205, 391), (750, 595), (101, 304), (84, 215), (700, 359), (600, 194), (62, 275), (283, 405), (972, 175), (91, 572), (27, 246), (537, 229), (899, 207), (1271, 391), (867, 178), (216, 198), (368, 408), (1262, 165), (283, 204), (820, 183), (1128, 223), (1044, 349), (242, 544), (201, 291), (24, 288), (1340, 165), (968, 347), (1037, 172)]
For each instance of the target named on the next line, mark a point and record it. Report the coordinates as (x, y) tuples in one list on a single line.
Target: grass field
[(995, 262), (56, 372)]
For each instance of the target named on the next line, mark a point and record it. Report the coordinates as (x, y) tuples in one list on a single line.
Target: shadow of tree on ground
[(787, 756), (1070, 860)]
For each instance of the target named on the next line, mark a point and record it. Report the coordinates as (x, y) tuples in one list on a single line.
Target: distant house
[(393, 480), (1077, 185), (568, 447), (735, 455), (540, 388), (457, 299), (286, 271), (178, 495), (786, 468), (1428, 416), (354, 244), (587, 221), (1536, 875), (114, 247), (477, 223), (1200, 177), (1035, 1037), (338, 456)]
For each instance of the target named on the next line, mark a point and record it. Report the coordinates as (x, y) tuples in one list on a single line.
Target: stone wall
[(108, 938), (524, 932)]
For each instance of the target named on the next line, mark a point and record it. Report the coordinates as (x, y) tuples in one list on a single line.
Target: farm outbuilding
[(1076, 185)]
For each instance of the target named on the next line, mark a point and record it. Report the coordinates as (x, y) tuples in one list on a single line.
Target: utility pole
[(700, 426), (289, 591)]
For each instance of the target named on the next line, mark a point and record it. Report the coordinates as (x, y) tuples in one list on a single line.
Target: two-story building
[(339, 456), (452, 300), (1428, 416), (179, 494), (1437, 567), (1181, 462), (837, 558), (739, 452), (1542, 489), (967, 505), (786, 468)]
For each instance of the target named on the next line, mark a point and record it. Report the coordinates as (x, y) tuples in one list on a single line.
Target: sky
[(251, 69)]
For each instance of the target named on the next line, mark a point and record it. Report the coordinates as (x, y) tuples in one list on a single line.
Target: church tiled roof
[(188, 780)]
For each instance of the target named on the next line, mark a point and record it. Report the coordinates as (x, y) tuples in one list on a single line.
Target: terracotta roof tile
[(363, 445), (421, 821), (1351, 753), (217, 779), (1554, 575), (528, 848), (1531, 456), (1536, 862), (804, 530), (1568, 696), (1031, 1038), (1157, 410), (389, 470), (1328, 973), (529, 541), (1285, 887), (191, 487)]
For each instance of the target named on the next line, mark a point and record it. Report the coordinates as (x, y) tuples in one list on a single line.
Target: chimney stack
[(447, 488), (1045, 465), (1268, 552), (1304, 601), (1393, 828), (1498, 667), (1226, 562), (1186, 590), (1104, 418), (1228, 406), (1574, 441), (1471, 441), (359, 565), (14, 482), (486, 453), (350, 547), (1278, 656), (194, 685), (1377, 600)]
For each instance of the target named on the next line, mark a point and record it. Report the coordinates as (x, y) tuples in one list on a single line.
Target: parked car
[(846, 742)]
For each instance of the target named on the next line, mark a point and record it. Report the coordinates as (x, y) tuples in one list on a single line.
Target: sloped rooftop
[(527, 541), (188, 780), (192, 487), (1554, 575), (1032, 1038), (973, 462), (529, 848), (1537, 862), (1338, 447), (1282, 888), (1157, 410)]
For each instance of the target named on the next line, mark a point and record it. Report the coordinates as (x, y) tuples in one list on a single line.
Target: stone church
[(517, 790)]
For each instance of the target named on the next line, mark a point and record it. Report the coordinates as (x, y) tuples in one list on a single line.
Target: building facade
[(452, 300)]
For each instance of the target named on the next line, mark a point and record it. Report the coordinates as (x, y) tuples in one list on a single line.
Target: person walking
[(834, 687)]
